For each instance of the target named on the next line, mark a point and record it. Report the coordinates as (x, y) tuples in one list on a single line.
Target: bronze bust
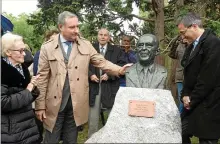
[(146, 73)]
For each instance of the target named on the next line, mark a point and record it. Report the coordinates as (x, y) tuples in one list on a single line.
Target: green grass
[(194, 140), (83, 135)]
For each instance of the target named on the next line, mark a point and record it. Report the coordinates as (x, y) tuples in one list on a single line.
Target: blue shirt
[(129, 57), (36, 61), (195, 43)]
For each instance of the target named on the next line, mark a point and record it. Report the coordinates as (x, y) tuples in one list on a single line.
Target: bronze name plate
[(141, 108)]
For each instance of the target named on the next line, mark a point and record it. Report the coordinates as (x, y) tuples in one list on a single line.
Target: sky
[(17, 7)]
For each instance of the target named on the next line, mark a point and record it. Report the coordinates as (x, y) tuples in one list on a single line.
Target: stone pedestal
[(164, 127)]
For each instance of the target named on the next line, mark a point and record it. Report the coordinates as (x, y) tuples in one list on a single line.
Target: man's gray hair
[(190, 19), (64, 15), (104, 29)]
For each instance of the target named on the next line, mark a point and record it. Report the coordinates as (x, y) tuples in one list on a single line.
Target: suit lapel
[(197, 49), (96, 46), (156, 78), (133, 76), (195, 52), (108, 52), (57, 52), (73, 53)]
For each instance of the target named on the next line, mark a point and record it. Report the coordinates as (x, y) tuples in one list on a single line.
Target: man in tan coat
[(63, 103)]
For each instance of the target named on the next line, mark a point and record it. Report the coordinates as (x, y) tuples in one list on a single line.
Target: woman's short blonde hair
[(8, 42)]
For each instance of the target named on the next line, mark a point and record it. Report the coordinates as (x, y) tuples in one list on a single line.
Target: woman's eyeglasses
[(21, 51)]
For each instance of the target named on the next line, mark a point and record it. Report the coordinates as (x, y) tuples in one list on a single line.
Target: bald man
[(109, 85)]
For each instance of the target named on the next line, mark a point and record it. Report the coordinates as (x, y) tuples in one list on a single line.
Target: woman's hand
[(33, 83)]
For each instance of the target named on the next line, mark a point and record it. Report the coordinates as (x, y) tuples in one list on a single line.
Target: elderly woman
[(18, 92)]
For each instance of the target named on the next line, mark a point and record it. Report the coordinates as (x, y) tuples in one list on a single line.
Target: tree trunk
[(201, 7), (158, 7), (179, 5)]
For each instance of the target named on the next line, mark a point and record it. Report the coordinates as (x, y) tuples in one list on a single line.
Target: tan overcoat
[(53, 70)]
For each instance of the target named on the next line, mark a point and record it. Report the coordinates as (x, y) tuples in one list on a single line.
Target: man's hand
[(41, 115), (123, 69), (94, 78), (104, 77), (186, 102)]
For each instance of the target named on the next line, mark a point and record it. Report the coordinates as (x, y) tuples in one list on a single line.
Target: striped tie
[(102, 51), (69, 43)]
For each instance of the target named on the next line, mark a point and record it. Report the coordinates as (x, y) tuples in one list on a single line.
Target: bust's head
[(147, 47)]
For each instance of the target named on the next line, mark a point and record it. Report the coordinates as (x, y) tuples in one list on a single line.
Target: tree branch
[(133, 15), (142, 18), (210, 20), (169, 19)]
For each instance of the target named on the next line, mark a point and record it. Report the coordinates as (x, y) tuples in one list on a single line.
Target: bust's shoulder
[(131, 68), (160, 68)]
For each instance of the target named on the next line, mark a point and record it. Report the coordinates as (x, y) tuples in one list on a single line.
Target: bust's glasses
[(21, 51)]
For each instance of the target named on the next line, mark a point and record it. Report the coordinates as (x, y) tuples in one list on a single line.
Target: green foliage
[(22, 28), (92, 15), (121, 7), (88, 31), (101, 13)]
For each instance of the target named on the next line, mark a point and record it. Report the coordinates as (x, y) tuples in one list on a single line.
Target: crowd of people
[(70, 81)]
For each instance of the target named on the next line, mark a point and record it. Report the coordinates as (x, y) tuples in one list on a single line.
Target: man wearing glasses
[(201, 86)]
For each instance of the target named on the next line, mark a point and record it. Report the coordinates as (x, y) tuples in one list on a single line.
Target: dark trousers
[(186, 135), (65, 123), (40, 128), (208, 141)]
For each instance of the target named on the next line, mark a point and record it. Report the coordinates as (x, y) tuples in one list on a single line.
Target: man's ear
[(157, 52), (60, 26)]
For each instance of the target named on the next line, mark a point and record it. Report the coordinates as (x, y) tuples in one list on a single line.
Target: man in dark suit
[(109, 85), (201, 86)]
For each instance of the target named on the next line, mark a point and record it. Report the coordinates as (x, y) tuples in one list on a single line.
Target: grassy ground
[(83, 135)]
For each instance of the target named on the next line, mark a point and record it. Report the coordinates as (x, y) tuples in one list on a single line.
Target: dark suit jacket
[(157, 81), (202, 84), (110, 87)]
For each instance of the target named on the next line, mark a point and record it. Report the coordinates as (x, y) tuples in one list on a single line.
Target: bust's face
[(146, 49)]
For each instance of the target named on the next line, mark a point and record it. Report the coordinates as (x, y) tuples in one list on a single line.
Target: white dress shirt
[(63, 41), (105, 48)]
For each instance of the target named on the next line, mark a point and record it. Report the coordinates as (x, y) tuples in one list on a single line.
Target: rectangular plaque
[(141, 108)]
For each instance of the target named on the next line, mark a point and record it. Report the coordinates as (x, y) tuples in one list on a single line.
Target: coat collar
[(79, 46), (11, 77), (198, 48)]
